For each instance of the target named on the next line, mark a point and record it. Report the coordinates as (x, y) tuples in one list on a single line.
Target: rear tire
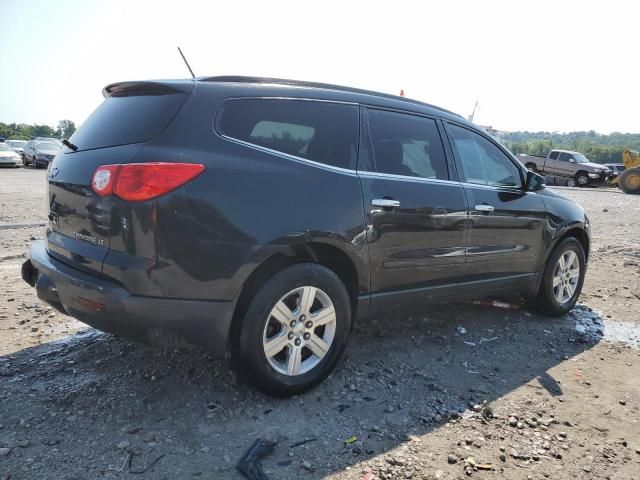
[(629, 181), (294, 330), (558, 292), (531, 167)]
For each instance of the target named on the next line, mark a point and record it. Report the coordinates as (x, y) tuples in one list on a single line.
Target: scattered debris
[(249, 465), (302, 442)]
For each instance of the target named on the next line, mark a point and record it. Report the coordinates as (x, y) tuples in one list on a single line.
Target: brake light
[(137, 182)]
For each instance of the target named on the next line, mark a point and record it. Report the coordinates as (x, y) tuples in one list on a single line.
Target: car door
[(506, 222), (27, 151), (415, 209), (566, 164), (551, 164)]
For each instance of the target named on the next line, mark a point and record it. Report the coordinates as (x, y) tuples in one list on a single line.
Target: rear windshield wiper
[(67, 143)]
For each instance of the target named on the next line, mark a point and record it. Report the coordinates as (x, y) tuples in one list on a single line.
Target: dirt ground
[(445, 392)]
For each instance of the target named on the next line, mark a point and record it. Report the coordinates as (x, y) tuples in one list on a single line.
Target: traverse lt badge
[(89, 238)]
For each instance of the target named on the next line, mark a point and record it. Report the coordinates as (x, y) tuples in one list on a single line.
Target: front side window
[(481, 161), (564, 157), (319, 131), (406, 145)]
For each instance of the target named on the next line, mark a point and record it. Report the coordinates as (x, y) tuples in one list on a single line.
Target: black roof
[(324, 86)]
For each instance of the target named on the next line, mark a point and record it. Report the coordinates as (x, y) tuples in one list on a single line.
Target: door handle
[(484, 208), (385, 203)]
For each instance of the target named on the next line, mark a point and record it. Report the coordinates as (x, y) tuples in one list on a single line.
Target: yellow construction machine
[(629, 179)]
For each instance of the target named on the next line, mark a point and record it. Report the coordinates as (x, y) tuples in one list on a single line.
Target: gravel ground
[(448, 391)]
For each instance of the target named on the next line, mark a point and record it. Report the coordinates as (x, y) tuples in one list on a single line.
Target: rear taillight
[(137, 182)]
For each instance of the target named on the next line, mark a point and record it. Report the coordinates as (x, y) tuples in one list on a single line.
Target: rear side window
[(553, 156), (406, 145), (319, 131), (127, 119)]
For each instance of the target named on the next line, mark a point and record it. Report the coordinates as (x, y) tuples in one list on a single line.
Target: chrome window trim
[(288, 156), (392, 176), (496, 187)]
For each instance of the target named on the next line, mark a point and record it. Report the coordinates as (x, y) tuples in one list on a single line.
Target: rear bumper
[(109, 307)]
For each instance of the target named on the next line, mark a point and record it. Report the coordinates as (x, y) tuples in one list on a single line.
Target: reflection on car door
[(416, 213), (506, 222)]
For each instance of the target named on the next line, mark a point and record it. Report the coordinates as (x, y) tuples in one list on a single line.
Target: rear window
[(319, 131), (127, 119)]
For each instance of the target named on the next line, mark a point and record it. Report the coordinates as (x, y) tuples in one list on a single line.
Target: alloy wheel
[(566, 276), (299, 331)]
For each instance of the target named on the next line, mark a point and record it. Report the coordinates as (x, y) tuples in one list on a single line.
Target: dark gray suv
[(261, 218)]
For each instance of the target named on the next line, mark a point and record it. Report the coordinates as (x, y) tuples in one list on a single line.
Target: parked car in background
[(17, 145), (8, 157), (40, 153), (565, 163), (262, 217), (616, 169)]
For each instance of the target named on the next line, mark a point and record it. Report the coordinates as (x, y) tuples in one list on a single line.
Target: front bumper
[(107, 306), (597, 177), (10, 162)]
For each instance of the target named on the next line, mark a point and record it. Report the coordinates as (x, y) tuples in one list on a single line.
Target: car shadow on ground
[(93, 405)]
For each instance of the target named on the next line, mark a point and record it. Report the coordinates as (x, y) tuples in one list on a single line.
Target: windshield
[(47, 146), (17, 143), (5, 148), (580, 158)]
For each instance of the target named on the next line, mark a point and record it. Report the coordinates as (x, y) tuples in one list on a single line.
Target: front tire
[(582, 179), (562, 279), (294, 331)]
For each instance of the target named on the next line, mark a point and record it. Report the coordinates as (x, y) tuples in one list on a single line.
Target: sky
[(534, 65)]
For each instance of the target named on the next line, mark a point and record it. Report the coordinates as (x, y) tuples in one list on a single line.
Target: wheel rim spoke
[(556, 281), (294, 360), (282, 313), (306, 299), (570, 290), (324, 316), (561, 262), (274, 345), (318, 346)]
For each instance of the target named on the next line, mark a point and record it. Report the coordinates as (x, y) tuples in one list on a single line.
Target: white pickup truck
[(573, 166)]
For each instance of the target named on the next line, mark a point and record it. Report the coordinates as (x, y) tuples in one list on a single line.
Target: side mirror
[(572, 160), (535, 181)]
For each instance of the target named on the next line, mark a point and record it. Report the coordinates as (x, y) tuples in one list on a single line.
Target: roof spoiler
[(124, 89)]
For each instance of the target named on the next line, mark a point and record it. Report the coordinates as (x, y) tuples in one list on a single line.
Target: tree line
[(23, 131), (595, 146)]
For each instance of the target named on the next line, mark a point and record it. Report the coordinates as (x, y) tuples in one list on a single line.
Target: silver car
[(9, 158)]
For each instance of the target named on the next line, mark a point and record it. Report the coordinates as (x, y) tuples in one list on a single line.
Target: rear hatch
[(131, 114)]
